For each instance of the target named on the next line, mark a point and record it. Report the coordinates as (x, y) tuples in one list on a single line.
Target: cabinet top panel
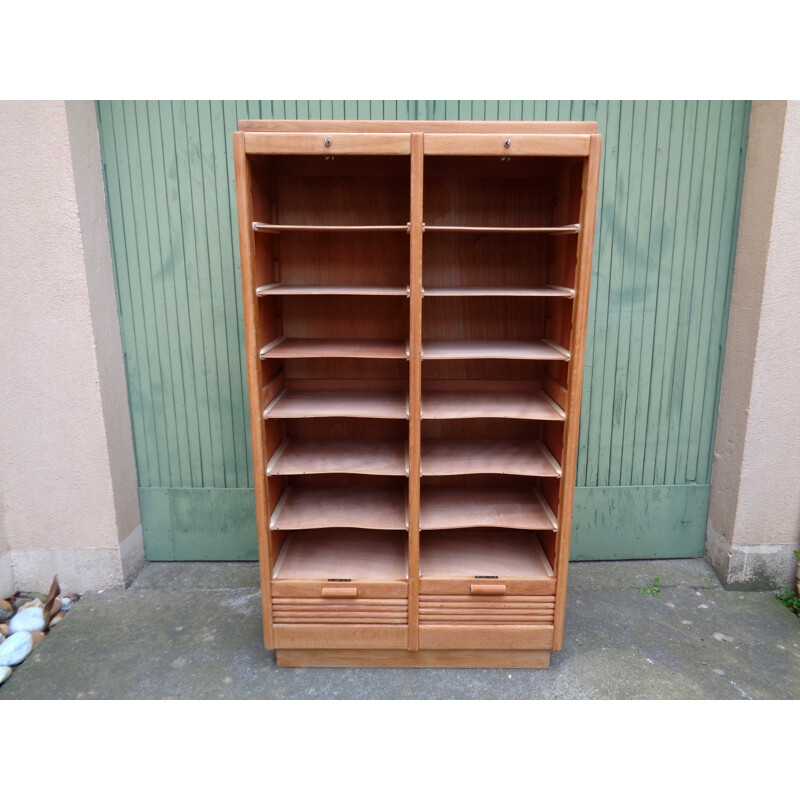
[(413, 126)]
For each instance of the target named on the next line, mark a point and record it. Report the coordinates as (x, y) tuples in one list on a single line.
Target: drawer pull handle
[(327, 142), (340, 591), (487, 588), (507, 143)]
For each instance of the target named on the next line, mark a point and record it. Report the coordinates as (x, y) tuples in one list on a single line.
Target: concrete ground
[(193, 630)]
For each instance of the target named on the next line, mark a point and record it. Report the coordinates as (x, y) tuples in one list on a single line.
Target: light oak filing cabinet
[(415, 302)]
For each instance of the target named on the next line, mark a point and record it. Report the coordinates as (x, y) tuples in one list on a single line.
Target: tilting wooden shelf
[(487, 456), (497, 291), (467, 553), (334, 348), (294, 404), (264, 227), (443, 507), (343, 554), (349, 456), (303, 507), (491, 404), (473, 348), (555, 229), (280, 289), (414, 395)]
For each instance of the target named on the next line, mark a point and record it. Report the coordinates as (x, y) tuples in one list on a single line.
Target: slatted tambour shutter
[(668, 209)]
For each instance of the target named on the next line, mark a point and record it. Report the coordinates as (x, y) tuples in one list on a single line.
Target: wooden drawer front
[(511, 144), (336, 637), (489, 610), (335, 590), (332, 611), (492, 588), (486, 637), (324, 144)]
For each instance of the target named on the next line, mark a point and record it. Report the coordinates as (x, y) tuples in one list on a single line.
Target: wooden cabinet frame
[(415, 309)]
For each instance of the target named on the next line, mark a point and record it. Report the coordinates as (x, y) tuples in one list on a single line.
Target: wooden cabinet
[(415, 302)]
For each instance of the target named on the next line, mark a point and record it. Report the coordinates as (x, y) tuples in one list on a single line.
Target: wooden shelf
[(282, 289), (465, 554), (497, 291), (492, 229), (488, 456), (264, 227), (443, 507), (342, 554), (297, 404), (544, 350), (334, 348), (340, 507), (352, 456), (476, 404)]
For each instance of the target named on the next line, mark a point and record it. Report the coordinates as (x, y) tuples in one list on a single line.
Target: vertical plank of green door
[(527, 110), (149, 121), (451, 109), (672, 364), (706, 357), (156, 267), (654, 296), (612, 398), (182, 313), (198, 348), (602, 356), (227, 123), (233, 112), (619, 457), (642, 305), (218, 229), (503, 109), (592, 392), (197, 126), (136, 252), (124, 276), (702, 170), (515, 110), (740, 113), (665, 300)]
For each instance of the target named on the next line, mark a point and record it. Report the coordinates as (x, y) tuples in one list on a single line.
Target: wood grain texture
[(443, 507), (481, 456), (453, 659), (348, 507), (342, 554), (357, 456), (449, 636), (518, 144)]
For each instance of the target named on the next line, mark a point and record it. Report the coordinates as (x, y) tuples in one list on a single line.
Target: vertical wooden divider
[(250, 308), (414, 386), (580, 311)]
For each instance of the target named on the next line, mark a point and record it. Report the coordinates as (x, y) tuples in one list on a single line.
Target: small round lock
[(507, 143), (327, 142)]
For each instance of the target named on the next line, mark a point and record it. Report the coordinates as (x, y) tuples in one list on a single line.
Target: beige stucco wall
[(67, 474), (754, 510)]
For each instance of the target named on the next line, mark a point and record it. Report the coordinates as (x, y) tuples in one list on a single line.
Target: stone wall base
[(754, 568), (78, 570)]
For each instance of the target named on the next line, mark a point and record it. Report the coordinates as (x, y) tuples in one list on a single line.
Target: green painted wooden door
[(668, 208)]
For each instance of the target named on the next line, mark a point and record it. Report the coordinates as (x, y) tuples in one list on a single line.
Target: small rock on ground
[(5, 674), (15, 649), (6, 610), (30, 619)]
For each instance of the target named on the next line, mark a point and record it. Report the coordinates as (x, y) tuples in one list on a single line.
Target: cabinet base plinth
[(453, 659)]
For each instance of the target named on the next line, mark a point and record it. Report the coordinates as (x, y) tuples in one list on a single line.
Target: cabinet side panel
[(247, 248), (575, 379)]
